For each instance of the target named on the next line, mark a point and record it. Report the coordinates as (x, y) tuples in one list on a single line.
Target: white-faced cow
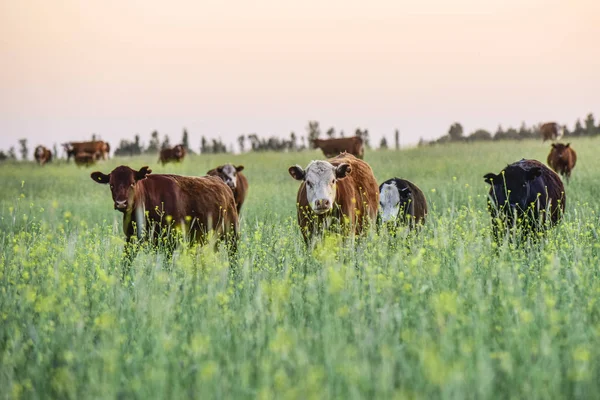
[(42, 155), (401, 202), (233, 177)]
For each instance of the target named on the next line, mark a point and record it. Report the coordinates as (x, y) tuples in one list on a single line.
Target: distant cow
[(42, 155), (333, 147), (523, 194), (233, 177), (551, 131), (562, 159), (342, 187), (100, 147), (401, 202), (176, 154), (152, 205), (86, 159)]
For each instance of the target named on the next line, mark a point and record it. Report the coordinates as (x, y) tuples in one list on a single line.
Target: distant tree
[(241, 143), (480, 134), (330, 133), (204, 149), (24, 149), (94, 137), (12, 154), (397, 139), (364, 135), (313, 132), (422, 142), (293, 141), (342, 133), (154, 144), (566, 131), (166, 144), (499, 135), (383, 144), (3, 156), (185, 141), (590, 125), (578, 131), (455, 132), (524, 132), (55, 151), (137, 145)]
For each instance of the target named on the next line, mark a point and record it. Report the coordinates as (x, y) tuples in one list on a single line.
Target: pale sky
[(70, 68)]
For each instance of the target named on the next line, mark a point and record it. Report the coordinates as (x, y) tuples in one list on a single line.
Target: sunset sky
[(116, 68)]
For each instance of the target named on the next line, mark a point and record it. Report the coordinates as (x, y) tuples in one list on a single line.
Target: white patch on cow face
[(230, 175), (320, 186), (40, 151), (389, 202)]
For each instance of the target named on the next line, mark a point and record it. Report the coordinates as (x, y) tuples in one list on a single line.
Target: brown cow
[(233, 177), (342, 187), (562, 159), (42, 155), (401, 203), (93, 147), (551, 131), (154, 204), (333, 147), (86, 159), (176, 154)]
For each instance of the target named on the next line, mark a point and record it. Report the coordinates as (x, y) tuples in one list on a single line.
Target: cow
[(155, 205), (401, 202), (176, 154), (233, 177), (341, 189), (527, 195), (333, 147), (562, 159), (551, 131), (86, 159), (42, 155), (93, 147)]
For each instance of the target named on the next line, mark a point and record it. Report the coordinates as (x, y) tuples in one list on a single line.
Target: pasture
[(442, 314)]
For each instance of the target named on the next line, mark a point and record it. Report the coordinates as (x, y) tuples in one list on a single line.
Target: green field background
[(442, 314)]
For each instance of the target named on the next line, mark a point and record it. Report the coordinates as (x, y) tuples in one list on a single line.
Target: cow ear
[(489, 178), (99, 177), (533, 173), (342, 170), (141, 174), (220, 169), (239, 168), (567, 145), (212, 172), (554, 145), (297, 172)]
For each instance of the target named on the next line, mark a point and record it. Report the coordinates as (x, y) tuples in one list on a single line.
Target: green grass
[(437, 315)]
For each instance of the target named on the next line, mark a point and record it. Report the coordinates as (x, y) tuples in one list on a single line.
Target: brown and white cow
[(100, 147), (343, 188), (233, 177), (152, 205), (562, 159), (176, 154), (42, 155), (551, 131), (333, 147)]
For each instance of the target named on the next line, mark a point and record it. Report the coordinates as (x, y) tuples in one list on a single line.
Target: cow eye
[(525, 185), (112, 187)]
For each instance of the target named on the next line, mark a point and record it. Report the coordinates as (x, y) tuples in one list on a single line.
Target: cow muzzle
[(120, 205), (322, 206)]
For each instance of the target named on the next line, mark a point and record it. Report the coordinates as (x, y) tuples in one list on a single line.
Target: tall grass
[(441, 314)]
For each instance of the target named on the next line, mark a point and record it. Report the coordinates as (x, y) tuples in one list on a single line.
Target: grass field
[(436, 315)]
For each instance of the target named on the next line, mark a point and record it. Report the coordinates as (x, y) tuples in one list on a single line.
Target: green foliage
[(439, 314)]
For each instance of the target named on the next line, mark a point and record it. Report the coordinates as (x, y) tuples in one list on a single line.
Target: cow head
[(393, 199), (561, 150), (512, 186), (178, 151), (320, 178), (39, 151), (122, 180), (228, 173)]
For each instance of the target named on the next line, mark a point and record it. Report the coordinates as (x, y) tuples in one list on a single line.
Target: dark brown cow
[(333, 147), (86, 159), (42, 155), (551, 131), (152, 205), (522, 195), (175, 154), (342, 187), (562, 159), (233, 177), (93, 147), (401, 203)]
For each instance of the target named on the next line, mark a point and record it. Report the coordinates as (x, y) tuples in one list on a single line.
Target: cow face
[(513, 186), (228, 173), (320, 178), (392, 200), (122, 180), (561, 150), (39, 151), (178, 151)]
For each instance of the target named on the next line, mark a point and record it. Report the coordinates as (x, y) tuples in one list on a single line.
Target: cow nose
[(323, 203), (120, 204)]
